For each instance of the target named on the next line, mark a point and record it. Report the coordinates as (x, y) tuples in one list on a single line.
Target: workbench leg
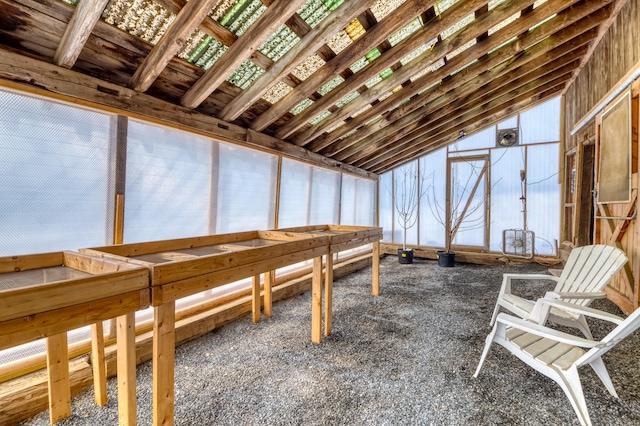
[(98, 364), (328, 295), (126, 342), (164, 347), (268, 289), (375, 269), (58, 371), (255, 299), (316, 301)]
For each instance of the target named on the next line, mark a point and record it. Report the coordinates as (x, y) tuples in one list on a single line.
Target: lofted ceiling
[(368, 83)]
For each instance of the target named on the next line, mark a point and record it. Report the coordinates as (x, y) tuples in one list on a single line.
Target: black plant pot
[(405, 256), (446, 259)]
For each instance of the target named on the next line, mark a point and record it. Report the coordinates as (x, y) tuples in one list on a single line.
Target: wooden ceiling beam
[(187, 20), (381, 32), (84, 18), (317, 37), (274, 17), (591, 12)]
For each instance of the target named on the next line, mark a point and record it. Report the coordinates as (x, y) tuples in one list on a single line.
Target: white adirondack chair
[(558, 355), (587, 272)]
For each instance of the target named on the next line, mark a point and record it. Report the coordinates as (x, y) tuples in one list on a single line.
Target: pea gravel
[(403, 358)]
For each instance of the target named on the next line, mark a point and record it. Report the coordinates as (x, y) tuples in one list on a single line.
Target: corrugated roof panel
[(330, 85), (538, 3), (458, 26), (207, 53), (386, 73), (239, 17), (277, 92), (141, 18), (355, 30), (351, 96), (421, 73), (359, 64), (461, 49), (307, 67), (417, 52), (301, 106), (320, 117), (339, 42), (386, 95), (405, 31), (437, 64), (375, 80), (382, 8), (443, 5), (279, 43), (193, 45), (495, 3), (245, 74), (315, 11)]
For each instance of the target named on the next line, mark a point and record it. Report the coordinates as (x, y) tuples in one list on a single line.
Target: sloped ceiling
[(371, 84)]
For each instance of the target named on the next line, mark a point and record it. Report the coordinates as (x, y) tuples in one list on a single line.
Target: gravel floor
[(404, 358)]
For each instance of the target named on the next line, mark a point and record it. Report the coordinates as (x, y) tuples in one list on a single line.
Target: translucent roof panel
[(382, 8), (375, 80), (538, 3), (277, 92), (192, 45), (207, 53), (321, 117), (437, 64), (458, 26), (421, 73), (461, 49), (279, 43), (351, 96), (495, 3), (504, 23), (238, 16), (405, 31), (419, 51), (246, 74), (315, 11), (359, 64), (301, 106), (331, 84), (307, 67), (443, 5), (355, 30), (386, 73), (339, 42), (143, 19)]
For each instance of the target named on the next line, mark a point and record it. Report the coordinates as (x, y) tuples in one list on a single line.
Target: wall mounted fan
[(507, 137)]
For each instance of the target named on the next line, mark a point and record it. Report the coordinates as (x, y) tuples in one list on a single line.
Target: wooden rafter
[(317, 37), (84, 18), (258, 33)]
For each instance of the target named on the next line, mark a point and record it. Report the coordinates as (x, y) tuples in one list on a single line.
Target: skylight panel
[(458, 26), (359, 64), (330, 85), (245, 74), (504, 23), (277, 92), (386, 73), (339, 42), (241, 15), (405, 31), (461, 49), (373, 54), (207, 53), (443, 5), (194, 45), (386, 95), (310, 65), (355, 30), (279, 43), (143, 19), (301, 106), (375, 80), (320, 117), (382, 8), (351, 96), (315, 11)]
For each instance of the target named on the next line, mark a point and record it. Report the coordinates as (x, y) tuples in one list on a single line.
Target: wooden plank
[(328, 295), (274, 17), (164, 343), (317, 37), (30, 261), (98, 364), (58, 372), (255, 299), (126, 342), (375, 269), (269, 278), (316, 301), (84, 18)]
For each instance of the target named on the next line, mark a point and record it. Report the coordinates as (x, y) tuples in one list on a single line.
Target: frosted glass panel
[(168, 184), (325, 197), (543, 196), (365, 203), (509, 123), (385, 207), (348, 200), (246, 189), (506, 190), (432, 205), (54, 183), (294, 194), (541, 123), (471, 230), (482, 139)]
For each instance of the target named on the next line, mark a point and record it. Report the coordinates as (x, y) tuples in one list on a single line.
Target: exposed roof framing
[(366, 84)]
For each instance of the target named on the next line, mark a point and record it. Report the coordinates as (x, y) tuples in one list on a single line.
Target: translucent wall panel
[(295, 183), (246, 189), (509, 123), (432, 205), (541, 123), (506, 190), (348, 200), (385, 206), (54, 180), (483, 139), (405, 184), (168, 184), (325, 197), (543, 196), (365, 203), (468, 208)]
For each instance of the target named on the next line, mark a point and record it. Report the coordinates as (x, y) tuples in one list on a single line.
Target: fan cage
[(518, 242)]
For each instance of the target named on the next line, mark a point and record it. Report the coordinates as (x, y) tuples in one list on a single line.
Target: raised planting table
[(182, 267), (341, 238), (46, 295)]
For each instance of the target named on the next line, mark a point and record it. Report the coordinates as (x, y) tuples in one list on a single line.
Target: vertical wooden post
[(119, 220), (255, 299), (328, 295), (98, 364), (268, 288), (126, 369), (164, 346), (58, 372), (316, 301), (375, 269)]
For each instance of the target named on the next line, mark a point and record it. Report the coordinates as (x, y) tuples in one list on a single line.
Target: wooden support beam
[(316, 301), (164, 346), (98, 364), (187, 20), (58, 371), (126, 342), (269, 278), (274, 17), (328, 294), (317, 37), (375, 269), (255, 299), (84, 18)]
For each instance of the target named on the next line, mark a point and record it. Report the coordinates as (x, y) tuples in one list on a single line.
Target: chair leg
[(584, 327), (496, 311), (600, 369), (569, 381), (485, 351)]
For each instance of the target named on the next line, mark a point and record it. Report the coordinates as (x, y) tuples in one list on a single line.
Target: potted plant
[(408, 190)]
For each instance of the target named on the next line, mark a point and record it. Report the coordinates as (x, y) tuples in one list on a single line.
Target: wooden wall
[(617, 53)]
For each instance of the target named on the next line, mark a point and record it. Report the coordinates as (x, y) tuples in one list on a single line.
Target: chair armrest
[(540, 311), (546, 332), (569, 295), (507, 278)]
